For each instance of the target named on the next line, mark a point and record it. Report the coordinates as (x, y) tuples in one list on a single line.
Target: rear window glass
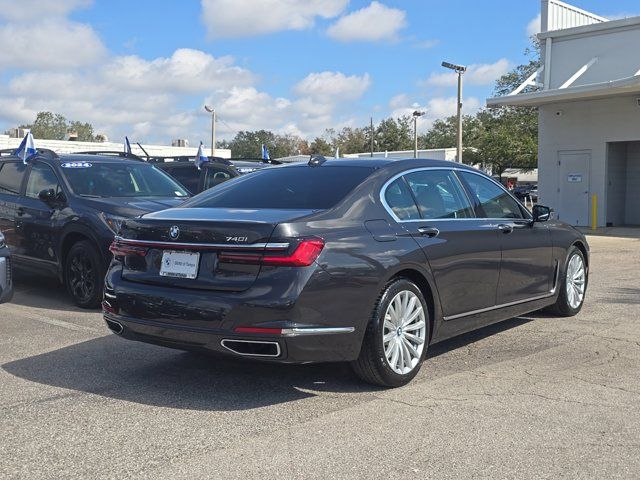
[(11, 177), (292, 188)]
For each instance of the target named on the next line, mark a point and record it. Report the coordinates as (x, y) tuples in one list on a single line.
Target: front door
[(526, 270), (462, 251), (38, 220), (573, 187)]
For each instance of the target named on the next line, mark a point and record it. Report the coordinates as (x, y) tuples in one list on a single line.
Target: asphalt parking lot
[(533, 397)]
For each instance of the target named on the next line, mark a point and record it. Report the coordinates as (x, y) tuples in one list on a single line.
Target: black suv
[(212, 173), (59, 213)]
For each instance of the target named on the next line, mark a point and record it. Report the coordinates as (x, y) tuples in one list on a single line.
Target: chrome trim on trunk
[(216, 246)]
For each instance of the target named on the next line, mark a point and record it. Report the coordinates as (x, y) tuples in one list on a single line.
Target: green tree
[(395, 134), (320, 146), (53, 126)]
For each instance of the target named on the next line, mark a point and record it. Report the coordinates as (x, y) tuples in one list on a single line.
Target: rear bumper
[(301, 345)]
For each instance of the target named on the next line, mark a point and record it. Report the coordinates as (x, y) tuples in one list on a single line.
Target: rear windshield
[(120, 180), (289, 188)]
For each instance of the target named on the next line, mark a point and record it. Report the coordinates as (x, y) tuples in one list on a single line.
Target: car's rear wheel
[(84, 274), (395, 343), (573, 286)]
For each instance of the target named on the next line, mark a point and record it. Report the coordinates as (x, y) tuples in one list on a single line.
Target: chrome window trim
[(178, 245), (551, 293), (455, 171)]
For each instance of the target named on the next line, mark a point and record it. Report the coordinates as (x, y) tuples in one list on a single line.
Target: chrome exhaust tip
[(252, 348), (115, 327)]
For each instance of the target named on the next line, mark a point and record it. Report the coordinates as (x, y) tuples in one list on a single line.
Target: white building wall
[(632, 193), (62, 146), (432, 154), (579, 126)]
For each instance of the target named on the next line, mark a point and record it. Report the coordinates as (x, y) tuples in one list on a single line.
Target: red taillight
[(258, 330), (121, 250), (304, 255)]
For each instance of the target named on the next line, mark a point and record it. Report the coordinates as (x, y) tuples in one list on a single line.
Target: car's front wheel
[(573, 286), (395, 343), (84, 274)]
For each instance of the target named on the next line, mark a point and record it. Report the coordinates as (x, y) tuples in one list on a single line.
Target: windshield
[(120, 180), (292, 188)]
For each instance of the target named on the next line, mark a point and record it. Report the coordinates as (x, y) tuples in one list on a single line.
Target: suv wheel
[(395, 344), (84, 276)]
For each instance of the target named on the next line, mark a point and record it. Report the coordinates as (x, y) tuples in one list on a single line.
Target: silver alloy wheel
[(404, 332), (576, 279)]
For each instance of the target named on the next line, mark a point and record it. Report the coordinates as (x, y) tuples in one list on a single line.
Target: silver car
[(6, 285)]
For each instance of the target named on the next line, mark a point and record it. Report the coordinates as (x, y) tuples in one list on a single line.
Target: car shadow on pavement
[(41, 292), (137, 372)]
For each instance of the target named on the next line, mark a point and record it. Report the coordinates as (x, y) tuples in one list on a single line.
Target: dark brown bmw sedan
[(360, 261)]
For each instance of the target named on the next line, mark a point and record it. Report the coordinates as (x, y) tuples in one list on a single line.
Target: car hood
[(133, 207)]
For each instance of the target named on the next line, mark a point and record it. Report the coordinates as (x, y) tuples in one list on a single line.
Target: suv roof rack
[(185, 158), (111, 153), (10, 152), (257, 160)]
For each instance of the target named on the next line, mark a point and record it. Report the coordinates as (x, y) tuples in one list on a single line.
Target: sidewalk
[(628, 232)]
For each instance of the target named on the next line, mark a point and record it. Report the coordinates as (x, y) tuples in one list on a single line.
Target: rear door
[(462, 251), (11, 179), (526, 269)]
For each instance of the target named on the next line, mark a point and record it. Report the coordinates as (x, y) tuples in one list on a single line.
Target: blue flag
[(127, 145), (201, 158), (26, 148), (265, 152), (337, 152)]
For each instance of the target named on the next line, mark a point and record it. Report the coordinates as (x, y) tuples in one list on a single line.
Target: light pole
[(459, 69), (416, 114), (212, 111)]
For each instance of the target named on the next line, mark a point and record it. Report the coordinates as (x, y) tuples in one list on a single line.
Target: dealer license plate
[(179, 264)]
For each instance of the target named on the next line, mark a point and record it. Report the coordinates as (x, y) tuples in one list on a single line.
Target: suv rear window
[(291, 188), (11, 177)]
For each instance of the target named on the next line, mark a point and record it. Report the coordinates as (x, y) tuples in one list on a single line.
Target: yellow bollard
[(594, 212)]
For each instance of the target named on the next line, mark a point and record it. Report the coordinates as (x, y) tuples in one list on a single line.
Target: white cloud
[(477, 74), (36, 9), (332, 86), (50, 43), (372, 23), (434, 109), (534, 26), (426, 44), (244, 18)]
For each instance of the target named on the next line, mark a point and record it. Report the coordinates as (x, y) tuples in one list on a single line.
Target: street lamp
[(416, 114), (212, 111), (459, 69)]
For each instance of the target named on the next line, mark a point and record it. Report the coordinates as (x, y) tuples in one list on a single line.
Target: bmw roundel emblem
[(174, 232)]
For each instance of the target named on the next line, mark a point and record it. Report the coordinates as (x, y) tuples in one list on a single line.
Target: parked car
[(212, 173), (523, 191), (6, 283), (59, 213), (364, 261)]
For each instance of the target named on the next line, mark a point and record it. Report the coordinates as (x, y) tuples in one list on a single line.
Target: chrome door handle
[(505, 228), (430, 232)]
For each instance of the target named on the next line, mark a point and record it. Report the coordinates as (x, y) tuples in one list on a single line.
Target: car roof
[(378, 163)]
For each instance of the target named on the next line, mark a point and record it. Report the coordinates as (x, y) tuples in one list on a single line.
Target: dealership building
[(588, 96)]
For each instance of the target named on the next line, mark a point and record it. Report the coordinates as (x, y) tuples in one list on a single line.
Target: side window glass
[(215, 176), (11, 174), (439, 194), (399, 199), (41, 178), (188, 176), (495, 202)]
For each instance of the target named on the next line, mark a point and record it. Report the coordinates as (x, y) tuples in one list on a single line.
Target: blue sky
[(145, 68)]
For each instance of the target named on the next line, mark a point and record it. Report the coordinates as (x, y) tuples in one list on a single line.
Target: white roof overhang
[(613, 88)]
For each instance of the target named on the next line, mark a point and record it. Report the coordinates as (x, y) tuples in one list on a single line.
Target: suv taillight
[(304, 255)]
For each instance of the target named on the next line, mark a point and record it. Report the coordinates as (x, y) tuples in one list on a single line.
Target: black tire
[(563, 307), (372, 365), (84, 274)]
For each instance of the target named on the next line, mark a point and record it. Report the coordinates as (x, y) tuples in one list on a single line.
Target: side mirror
[(541, 213)]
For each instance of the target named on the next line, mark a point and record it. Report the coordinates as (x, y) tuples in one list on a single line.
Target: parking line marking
[(56, 322)]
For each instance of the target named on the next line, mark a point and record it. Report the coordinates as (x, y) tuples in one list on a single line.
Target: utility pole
[(459, 69), (212, 111), (416, 114), (371, 134)]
